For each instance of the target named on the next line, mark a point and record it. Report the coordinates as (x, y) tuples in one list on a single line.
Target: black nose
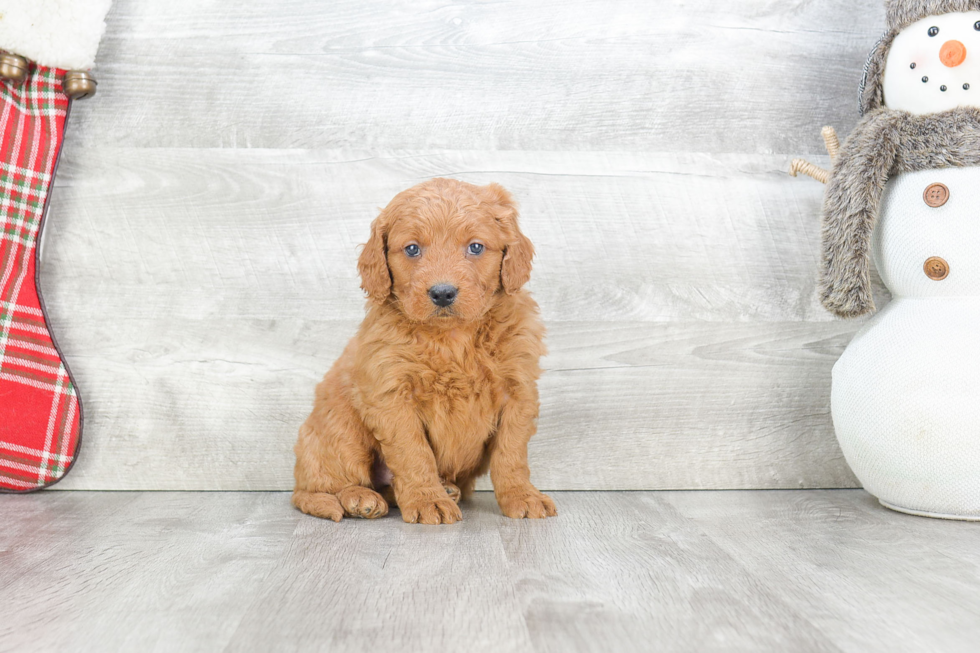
[(443, 295)]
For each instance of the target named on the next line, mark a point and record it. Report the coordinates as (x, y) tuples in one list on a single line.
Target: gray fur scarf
[(883, 144)]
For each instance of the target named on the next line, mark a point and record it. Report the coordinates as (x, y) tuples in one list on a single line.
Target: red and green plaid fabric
[(40, 420)]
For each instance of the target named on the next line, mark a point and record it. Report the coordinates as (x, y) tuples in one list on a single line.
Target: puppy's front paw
[(527, 502), (426, 509)]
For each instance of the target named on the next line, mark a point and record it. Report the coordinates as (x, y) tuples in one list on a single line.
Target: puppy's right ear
[(373, 262)]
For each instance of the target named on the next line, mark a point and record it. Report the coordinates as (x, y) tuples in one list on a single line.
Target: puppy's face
[(443, 249)]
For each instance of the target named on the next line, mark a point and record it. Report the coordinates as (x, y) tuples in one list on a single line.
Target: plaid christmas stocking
[(40, 415)]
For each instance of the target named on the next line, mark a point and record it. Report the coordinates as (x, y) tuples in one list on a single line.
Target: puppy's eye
[(412, 250), (933, 31), (475, 249)]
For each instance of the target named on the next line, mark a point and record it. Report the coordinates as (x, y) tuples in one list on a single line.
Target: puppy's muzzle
[(443, 295)]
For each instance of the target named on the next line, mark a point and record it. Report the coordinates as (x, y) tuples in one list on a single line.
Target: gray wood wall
[(199, 259)]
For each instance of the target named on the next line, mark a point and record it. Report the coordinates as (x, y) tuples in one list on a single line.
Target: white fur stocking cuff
[(56, 33)]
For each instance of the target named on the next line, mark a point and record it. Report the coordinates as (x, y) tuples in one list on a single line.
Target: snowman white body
[(906, 391)]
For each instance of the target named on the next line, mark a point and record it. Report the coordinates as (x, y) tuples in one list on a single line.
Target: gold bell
[(79, 84), (13, 68)]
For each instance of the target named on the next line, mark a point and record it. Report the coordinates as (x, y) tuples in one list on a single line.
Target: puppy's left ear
[(515, 271)]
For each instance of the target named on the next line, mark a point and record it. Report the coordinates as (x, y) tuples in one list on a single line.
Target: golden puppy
[(440, 382)]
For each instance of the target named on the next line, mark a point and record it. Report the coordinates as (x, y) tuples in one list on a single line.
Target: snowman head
[(934, 64), (928, 61)]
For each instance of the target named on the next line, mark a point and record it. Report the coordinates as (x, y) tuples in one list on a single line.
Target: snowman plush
[(905, 192)]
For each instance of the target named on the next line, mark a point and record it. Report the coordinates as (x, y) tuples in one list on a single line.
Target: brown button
[(936, 268), (936, 195)]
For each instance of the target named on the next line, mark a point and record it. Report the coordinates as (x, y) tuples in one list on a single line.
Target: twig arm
[(820, 174), (810, 170), (831, 141)]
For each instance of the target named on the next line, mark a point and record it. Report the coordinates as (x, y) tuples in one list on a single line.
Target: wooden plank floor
[(671, 571)]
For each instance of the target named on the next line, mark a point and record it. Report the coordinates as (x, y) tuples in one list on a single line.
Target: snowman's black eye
[(943, 88), (934, 30), (976, 25), (925, 79), (912, 66), (966, 87)]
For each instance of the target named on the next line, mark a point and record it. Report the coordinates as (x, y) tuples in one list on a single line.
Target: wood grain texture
[(636, 411), (836, 538), (752, 76), (199, 265), (619, 237), (803, 571)]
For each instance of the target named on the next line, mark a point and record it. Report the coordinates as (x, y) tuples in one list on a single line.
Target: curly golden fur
[(428, 396)]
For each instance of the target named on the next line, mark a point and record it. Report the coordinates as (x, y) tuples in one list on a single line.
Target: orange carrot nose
[(952, 54)]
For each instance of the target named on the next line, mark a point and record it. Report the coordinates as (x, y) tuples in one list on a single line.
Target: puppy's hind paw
[(529, 504), (360, 501), (318, 504), (453, 491)]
